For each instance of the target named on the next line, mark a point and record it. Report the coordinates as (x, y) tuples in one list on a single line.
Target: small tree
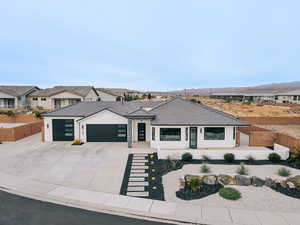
[(119, 98), (149, 96)]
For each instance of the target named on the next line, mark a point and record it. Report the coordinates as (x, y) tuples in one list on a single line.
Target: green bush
[(242, 170), (284, 172), (229, 157), (274, 157), (295, 157), (204, 169), (229, 193), (194, 184), (187, 157), (37, 114)]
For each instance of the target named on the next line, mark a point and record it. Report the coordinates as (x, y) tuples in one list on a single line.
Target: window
[(295, 97), (43, 99), (214, 133), (34, 99), (153, 133), (186, 133), (170, 134), (233, 132)]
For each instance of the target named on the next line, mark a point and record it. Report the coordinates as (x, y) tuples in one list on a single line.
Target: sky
[(149, 45)]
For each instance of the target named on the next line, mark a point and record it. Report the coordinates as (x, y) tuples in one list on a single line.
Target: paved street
[(16, 210)]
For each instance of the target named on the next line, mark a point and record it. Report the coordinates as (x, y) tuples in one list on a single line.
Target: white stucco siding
[(228, 142), (182, 144), (103, 117), (135, 129), (106, 97), (48, 129)]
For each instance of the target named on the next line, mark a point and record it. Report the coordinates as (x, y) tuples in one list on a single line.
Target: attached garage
[(63, 129), (106, 132)]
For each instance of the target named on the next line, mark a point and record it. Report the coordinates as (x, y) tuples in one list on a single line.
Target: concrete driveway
[(92, 166)]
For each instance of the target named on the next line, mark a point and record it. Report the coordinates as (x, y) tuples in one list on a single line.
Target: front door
[(141, 132), (193, 137)]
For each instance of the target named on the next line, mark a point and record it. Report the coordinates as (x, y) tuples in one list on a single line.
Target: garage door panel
[(63, 129), (107, 132)]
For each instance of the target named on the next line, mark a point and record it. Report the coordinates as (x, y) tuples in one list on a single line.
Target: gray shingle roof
[(48, 92), (106, 91), (83, 109), (295, 92), (176, 111), (16, 90)]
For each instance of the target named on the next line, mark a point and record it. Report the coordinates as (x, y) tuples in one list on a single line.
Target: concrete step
[(137, 171), (139, 175), (139, 167), (136, 178), (133, 183), (138, 194), (136, 188), (139, 161), (138, 164)]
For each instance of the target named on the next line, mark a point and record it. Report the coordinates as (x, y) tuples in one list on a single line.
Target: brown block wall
[(262, 138), (271, 120), (16, 133)]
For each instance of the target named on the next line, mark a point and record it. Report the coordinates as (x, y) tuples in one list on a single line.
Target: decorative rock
[(269, 182), (243, 180), (226, 179), (256, 181), (210, 179), (290, 185), (295, 180)]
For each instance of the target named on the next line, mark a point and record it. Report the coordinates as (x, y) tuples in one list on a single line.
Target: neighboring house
[(288, 97), (228, 96), (61, 96), (175, 124), (259, 97), (107, 96), (15, 97)]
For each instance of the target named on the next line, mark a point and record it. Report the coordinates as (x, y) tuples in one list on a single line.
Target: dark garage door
[(63, 129), (106, 132)]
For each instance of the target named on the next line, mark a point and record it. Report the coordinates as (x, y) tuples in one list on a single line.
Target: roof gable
[(17, 91)]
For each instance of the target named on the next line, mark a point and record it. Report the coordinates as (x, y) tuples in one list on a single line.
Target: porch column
[(129, 133)]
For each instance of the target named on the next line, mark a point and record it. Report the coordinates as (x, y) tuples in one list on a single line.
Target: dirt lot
[(291, 130), (244, 109)]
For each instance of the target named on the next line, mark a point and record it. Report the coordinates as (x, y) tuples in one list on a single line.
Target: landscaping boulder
[(211, 179), (226, 179), (281, 183), (290, 185), (243, 180), (295, 180), (256, 181), (269, 182)]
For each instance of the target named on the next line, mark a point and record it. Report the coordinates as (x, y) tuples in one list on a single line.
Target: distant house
[(288, 97), (61, 96), (15, 97), (259, 97), (228, 96), (107, 95)]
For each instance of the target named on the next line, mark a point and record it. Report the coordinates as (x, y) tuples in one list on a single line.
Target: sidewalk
[(139, 207)]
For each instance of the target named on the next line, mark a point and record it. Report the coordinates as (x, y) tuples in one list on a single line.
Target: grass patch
[(229, 193)]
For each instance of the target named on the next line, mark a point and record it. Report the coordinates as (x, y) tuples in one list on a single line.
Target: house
[(176, 123), (259, 97), (15, 97), (288, 97), (61, 96), (228, 96), (107, 95)]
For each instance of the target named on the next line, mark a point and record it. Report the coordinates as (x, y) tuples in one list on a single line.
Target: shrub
[(274, 157), (37, 114), (229, 157), (284, 172), (204, 169), (242, 170), (187, 157), (229, 193), (77, 142), (10, 113), (295, 156), (194, 183), (205, 158), (250, 159)]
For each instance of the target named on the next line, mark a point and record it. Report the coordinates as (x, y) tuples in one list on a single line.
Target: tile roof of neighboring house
[(295, 92), (16, 91), (106, 91), (176, 111), (48, 92)]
